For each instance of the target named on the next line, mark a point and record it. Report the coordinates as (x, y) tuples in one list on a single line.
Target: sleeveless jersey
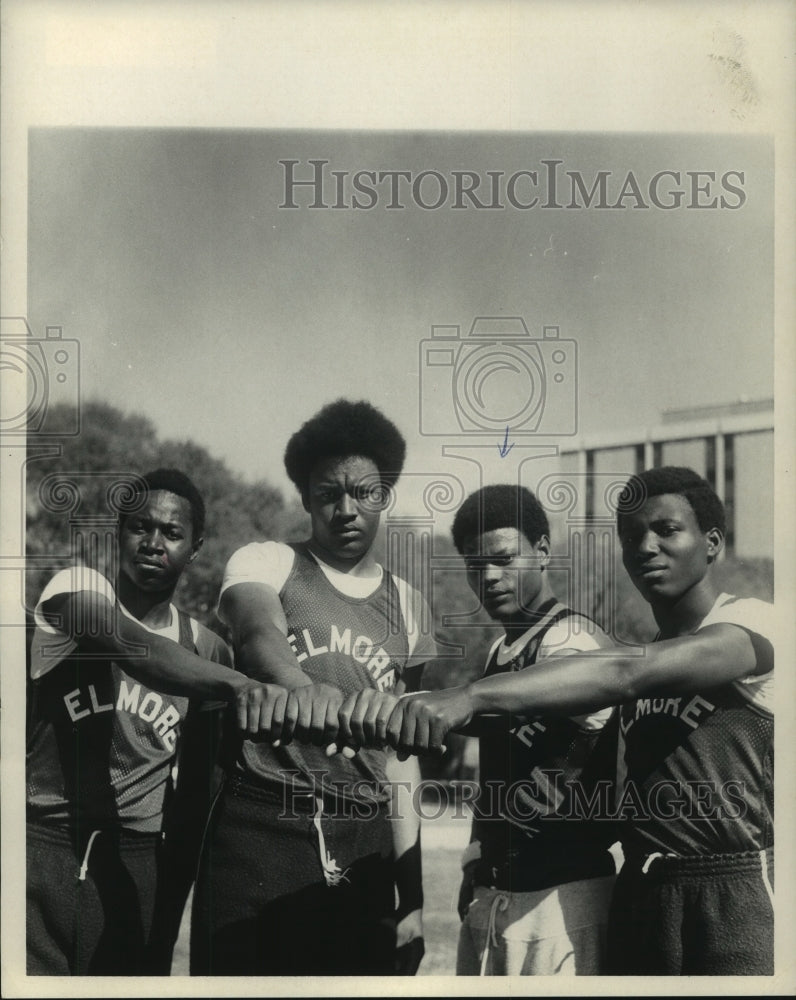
[(700, 768), (352, 643), (546, 787), (100, 744)]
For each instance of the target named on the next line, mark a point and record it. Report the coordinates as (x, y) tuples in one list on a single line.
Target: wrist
[(475, 695), (232, 686)]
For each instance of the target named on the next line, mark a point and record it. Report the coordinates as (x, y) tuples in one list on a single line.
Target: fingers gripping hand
[(374, 725), (316, 708), (363, 719), (421, 722), (260, 710)]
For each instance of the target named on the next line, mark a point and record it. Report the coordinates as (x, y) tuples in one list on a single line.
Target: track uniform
[(100, 752), (544, 877), (297, 870), (695, 894)]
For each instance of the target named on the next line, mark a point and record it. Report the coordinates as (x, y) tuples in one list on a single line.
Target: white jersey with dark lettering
[(100, 744), (700, 767)]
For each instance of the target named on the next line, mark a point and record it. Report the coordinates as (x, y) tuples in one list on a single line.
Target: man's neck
[(683, 616), (367, 566), (153, 610), (529, 618)]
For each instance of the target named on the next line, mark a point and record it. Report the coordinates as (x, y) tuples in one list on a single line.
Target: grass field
[(445, 832)]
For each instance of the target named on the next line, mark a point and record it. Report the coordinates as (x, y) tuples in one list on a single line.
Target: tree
[(113, 444)]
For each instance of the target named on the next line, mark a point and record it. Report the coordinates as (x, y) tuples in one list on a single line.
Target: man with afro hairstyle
[(306, 847), (695, 892), (537, 877), (114, 666)]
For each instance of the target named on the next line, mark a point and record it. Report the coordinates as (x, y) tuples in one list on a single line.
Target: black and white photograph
[(397, 448)]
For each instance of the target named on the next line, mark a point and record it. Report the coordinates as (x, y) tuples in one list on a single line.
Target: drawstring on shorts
[(500, 902), (84, 866), (766, 880), (654, 857), (332, 872)]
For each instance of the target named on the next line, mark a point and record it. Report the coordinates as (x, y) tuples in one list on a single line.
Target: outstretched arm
[(161, 663), (571, 685)]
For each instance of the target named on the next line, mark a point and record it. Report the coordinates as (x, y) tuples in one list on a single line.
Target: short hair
[(175, 481), (500, 506), (342, 429), (679, 481)]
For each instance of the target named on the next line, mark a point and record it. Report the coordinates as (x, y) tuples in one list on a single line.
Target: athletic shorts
[(285, 888), (711, 916), (90, 901), (555, 931)]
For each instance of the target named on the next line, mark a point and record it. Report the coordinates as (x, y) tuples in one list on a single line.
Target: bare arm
[(159, 662), (255, 615), (574, 684), (571, 685)]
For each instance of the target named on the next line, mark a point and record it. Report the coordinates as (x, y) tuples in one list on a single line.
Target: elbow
[(250, 653)]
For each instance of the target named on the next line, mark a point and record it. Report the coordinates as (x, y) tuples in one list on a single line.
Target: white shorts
[(556, 931)]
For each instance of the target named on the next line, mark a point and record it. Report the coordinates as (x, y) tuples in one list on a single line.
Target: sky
[(199, 300)]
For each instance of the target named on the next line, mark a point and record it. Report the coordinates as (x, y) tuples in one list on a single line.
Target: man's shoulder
[(400, 582), (750, 613), (76, 579), (260, 551), (411, 596), (416, 616), (574, 631), (266, 562)]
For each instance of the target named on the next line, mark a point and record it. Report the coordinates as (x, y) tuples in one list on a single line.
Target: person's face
[(345, 499), (156, 543), (664, 550), (504, 569)]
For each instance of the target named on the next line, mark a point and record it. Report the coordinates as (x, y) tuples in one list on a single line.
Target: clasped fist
[(363, 719), (260, 709), (319, 714), (421, 722), (311, 714), (271, 712)]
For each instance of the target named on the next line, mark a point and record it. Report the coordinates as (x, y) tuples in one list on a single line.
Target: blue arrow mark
[(505, 448)]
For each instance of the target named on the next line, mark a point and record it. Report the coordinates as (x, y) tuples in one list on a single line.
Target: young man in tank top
[(538, 874), (695, 892), (305, 849), (113, 667)]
